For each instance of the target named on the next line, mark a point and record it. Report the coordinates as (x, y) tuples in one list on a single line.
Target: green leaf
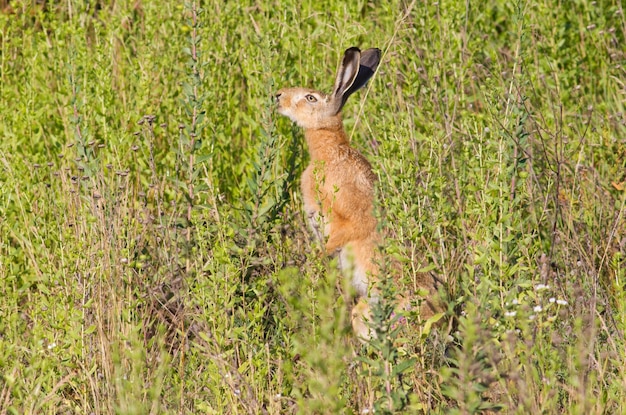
[(401, 367)]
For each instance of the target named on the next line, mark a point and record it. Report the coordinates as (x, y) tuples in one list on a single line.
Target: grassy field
[(154, 257)]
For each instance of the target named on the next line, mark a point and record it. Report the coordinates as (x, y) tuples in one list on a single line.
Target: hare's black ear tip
[(353, 49)]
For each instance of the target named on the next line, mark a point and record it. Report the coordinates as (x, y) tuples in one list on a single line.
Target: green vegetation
[(153, 253)]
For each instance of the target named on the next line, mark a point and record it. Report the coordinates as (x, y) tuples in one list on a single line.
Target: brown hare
[(338, 184)]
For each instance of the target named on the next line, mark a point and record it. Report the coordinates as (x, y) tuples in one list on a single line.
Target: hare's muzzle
[(278, 99)]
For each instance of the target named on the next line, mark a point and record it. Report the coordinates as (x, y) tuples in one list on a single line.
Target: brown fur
[(338, 184)]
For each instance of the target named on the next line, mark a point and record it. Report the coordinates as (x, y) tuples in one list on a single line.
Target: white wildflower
[(561, 302), (537, 309), (541, 287), (510, 313)]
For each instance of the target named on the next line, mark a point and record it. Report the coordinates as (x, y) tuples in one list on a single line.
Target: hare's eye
[(310, 98)]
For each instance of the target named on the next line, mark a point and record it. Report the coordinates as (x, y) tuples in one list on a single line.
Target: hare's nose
[(277, 96)]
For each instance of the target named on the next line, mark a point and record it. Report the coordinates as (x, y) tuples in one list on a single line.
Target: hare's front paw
[(315, 221)]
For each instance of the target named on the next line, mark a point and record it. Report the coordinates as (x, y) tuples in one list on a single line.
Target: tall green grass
[(154, 257)]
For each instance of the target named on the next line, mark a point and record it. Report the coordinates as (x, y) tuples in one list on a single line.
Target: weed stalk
[(191, 134)]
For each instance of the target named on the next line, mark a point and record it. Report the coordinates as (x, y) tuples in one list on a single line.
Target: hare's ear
[(346, 75), (370, 59), (349, 79)]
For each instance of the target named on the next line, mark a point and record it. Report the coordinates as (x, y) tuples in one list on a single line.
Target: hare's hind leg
[(360, 317), (356, 260)]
